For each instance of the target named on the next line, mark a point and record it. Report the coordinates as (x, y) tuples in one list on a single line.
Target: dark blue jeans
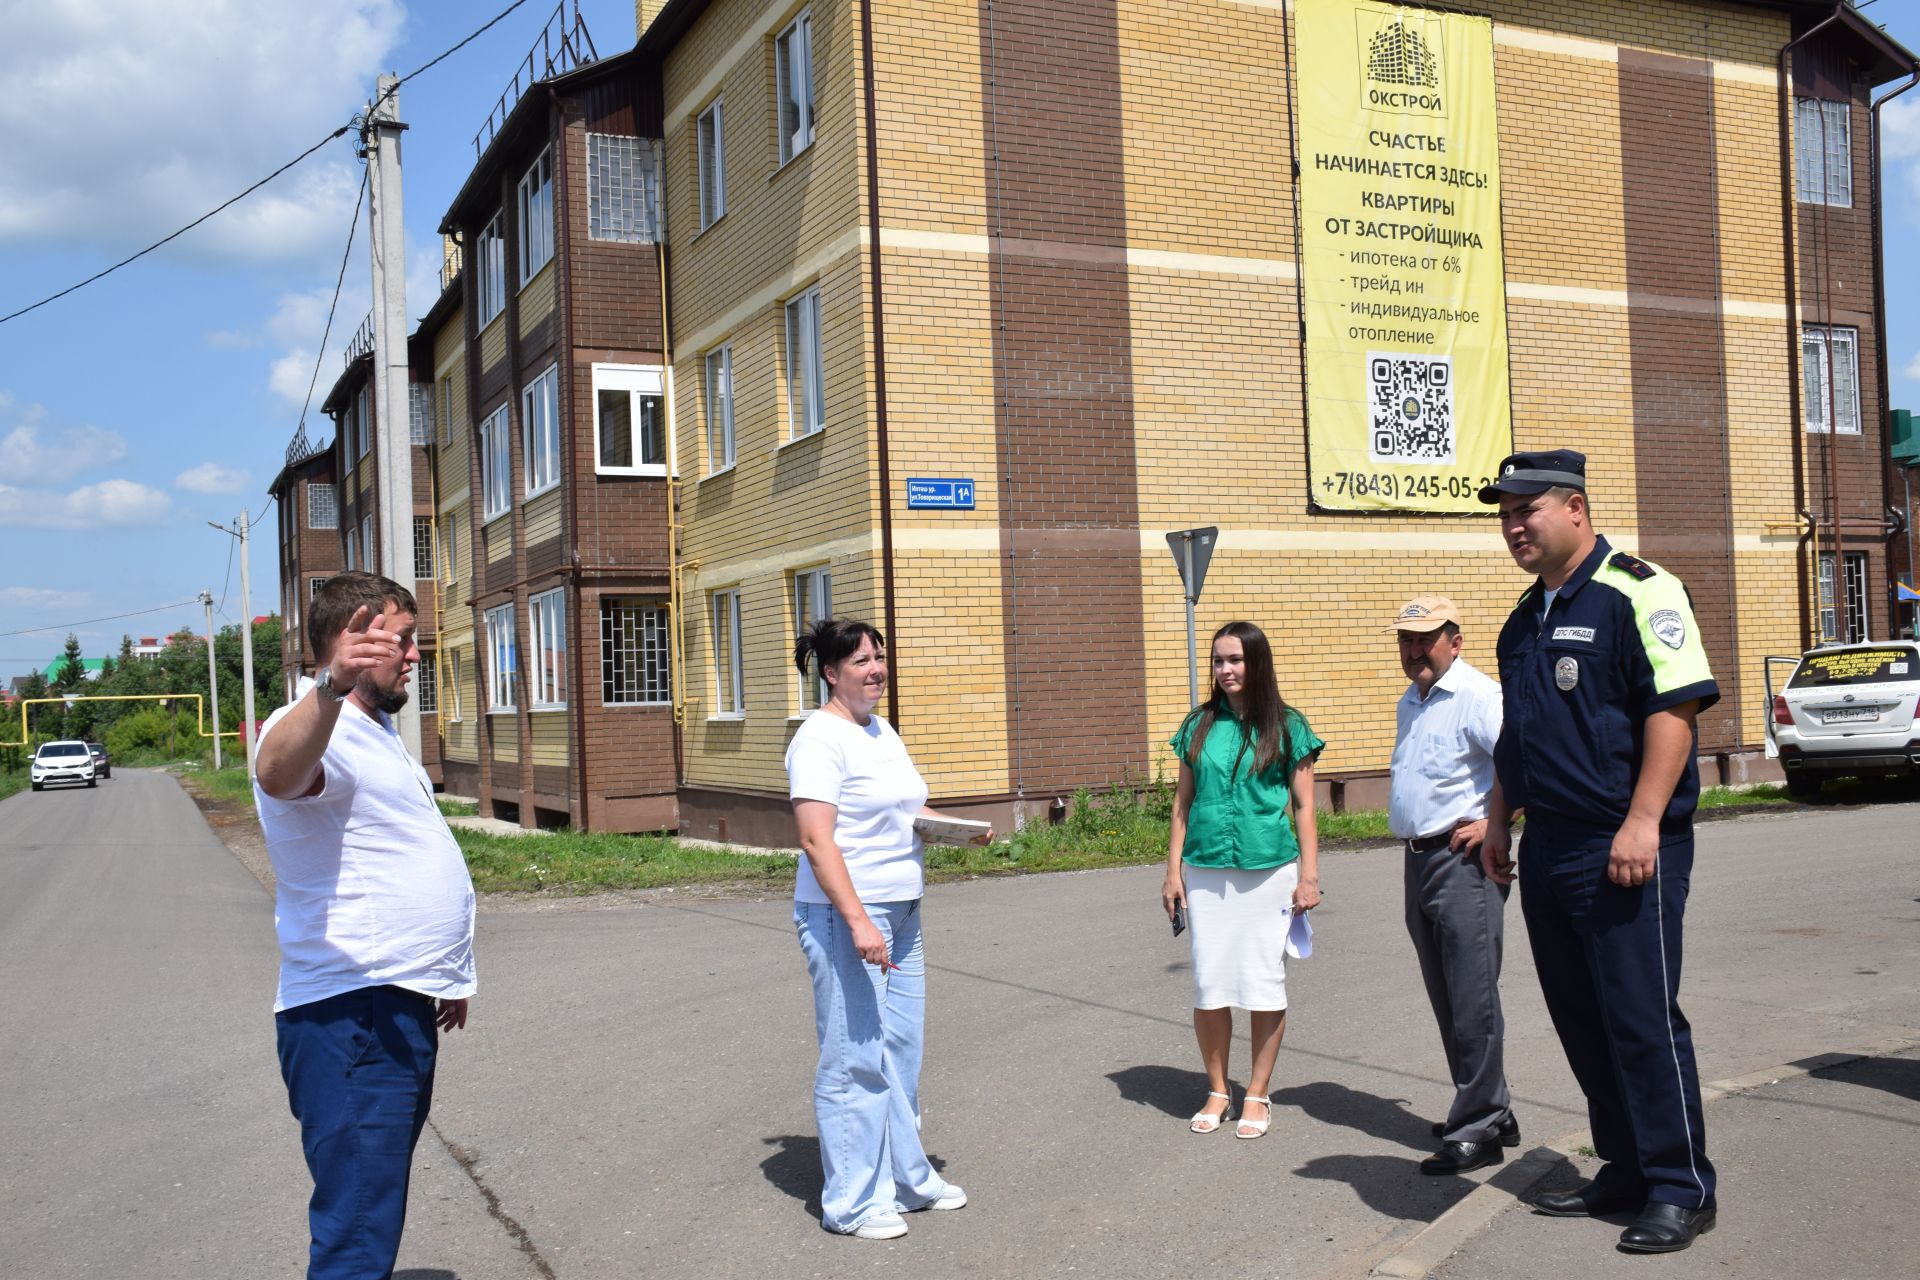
[(359, 1073)]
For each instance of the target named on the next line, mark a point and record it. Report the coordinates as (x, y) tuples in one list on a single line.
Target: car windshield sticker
[(1852, 666), (1669, 627)]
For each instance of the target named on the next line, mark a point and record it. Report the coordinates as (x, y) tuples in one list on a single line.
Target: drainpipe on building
[(1880, 353), (879, 360), (1789, 203)]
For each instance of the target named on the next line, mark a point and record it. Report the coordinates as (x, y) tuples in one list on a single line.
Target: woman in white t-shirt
[(857, 910)]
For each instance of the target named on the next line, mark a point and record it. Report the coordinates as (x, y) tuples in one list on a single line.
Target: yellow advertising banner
[(1408, 404)]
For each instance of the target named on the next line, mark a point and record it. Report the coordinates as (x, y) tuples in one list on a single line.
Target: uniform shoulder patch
[(1631, 565)]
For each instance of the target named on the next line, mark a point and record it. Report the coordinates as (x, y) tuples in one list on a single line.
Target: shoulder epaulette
[(1631, 565)]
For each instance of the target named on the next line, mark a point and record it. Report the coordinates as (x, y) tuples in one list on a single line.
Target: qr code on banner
[(1410, 408)]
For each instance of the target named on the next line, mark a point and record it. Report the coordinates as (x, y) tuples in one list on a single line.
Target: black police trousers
[(1608, 959)]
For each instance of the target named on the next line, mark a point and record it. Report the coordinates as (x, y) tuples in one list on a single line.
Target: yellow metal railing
[(199, 704)]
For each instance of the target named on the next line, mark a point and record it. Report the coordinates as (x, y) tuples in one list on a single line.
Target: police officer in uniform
[(1603, 674)]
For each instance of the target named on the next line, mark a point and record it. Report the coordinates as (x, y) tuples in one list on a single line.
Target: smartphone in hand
[(1179, 918)]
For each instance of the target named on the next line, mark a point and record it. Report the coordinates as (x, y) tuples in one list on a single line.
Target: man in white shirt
[(374, 911), (1449, 720)]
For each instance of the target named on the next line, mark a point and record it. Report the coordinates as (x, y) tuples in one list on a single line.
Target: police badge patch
[(1566, 674), (1669, 627)]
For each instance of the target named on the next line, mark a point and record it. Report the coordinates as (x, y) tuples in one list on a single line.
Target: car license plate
[(1848, 715)]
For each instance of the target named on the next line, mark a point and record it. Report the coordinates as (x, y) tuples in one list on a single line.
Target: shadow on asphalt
[(794, 1168), (1897, 1076), (1174, 1090), (1388, 1119)]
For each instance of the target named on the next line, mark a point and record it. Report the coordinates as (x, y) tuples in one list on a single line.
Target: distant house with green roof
[(90, 666)]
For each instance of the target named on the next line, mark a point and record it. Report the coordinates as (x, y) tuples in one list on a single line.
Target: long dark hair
[(1266, 717), (831, 641)]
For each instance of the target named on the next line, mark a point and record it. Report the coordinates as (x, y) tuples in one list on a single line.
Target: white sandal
[(1259, 1127), (1206, 1122)]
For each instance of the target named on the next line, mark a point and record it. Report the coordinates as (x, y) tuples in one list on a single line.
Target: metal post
[(246, 642), (213, 677), (394, 452), (1193, 658)]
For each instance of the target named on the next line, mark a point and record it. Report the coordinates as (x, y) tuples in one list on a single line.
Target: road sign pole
[(1192, 553), (1193, 656)]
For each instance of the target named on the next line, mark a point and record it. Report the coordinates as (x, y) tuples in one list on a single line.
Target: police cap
[(1527, 474)]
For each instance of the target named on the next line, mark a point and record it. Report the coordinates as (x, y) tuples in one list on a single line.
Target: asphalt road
[(632, 1096)]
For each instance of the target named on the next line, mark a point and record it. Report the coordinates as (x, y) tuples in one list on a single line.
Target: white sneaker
[(885, 1226), (951, 1198)]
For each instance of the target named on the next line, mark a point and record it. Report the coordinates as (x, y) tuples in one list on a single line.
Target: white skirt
[(1239, 922)]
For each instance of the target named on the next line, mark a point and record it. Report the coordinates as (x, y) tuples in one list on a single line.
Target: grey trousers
[(1455, 916)]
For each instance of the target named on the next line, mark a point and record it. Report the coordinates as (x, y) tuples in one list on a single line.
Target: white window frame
[(453, 660), (536, 217), (363, 417), (420, 414), (806, 395), (490, 275), (369, 558), (729, 674), (496, 465), (720, 438), (352, 541), (1817, 343), (540, 431), (427, 677), (793, 86), (445, 407), (547, 637), (450, 548), (710, 162), (812, 601), (1823, 177), (639, 381), (333, 506), (632, 660), (502, 661), (423, 525)]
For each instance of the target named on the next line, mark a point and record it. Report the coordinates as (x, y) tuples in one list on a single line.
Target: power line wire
[(337, 133), (320, 355)]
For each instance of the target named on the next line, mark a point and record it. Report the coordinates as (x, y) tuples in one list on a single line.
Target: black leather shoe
[(1665, 1228), (1459, 1157), (1508, 1132), (1590, 1201)]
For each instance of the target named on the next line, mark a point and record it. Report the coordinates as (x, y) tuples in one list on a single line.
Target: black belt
[(1430, 844)]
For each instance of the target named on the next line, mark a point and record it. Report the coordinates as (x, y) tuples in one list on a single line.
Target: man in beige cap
[(1449, 720)]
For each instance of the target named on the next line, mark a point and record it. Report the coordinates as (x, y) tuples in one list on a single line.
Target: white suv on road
[(1849, 710), (68, 761)]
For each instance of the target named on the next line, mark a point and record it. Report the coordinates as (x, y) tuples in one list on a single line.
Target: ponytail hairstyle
[(831, 641), (1266, 718)]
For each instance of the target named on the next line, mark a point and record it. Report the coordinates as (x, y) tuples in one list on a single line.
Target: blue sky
[(162, 397)]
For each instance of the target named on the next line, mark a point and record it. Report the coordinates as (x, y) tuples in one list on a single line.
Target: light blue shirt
[(1443, 754)]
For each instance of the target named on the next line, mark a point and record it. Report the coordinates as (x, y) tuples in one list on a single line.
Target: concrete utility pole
[(381, 137), (213, 677), (246, 640)]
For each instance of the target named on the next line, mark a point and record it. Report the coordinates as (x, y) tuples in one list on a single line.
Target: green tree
[(70, 669)]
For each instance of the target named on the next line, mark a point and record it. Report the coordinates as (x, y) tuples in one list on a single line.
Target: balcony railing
[(299, 449), (361, 344), (562, 45)]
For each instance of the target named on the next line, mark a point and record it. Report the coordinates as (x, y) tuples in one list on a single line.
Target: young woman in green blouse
[(1244, 856)]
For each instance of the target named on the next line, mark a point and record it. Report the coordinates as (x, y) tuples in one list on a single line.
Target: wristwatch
[(326, 690)]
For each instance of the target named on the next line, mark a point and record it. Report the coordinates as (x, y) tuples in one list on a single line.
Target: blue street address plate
[(941, 495)]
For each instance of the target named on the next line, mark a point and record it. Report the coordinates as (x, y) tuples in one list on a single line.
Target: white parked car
[(1849, 710), (68, 761)]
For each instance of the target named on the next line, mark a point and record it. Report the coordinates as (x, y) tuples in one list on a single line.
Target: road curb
[(1452, 1230)]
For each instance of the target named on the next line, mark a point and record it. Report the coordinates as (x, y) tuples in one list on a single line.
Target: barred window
[(426, 685), (623, 189), (423, 547), (635, 665), (321, 511), (1823, 152), (420, 413)]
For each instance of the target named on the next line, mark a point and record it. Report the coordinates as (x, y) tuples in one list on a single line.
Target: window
[(322, 513), (353, 540), (1852, 611), (446, 411), (629, 420), (453, 682), (536, 217), (423, 547), (502, 660), (490, 281), (623, 189), (450, 547), (1824, 353), (369, 558), (363, 418), (420, 413), (712, 161), (540, 431), (496, 462), (635, 659), (812, 601), (793, 86), (547, 633), (720, 408), (728, 699), (427, 685), (1823, 159), (314, 585), (806, 404)]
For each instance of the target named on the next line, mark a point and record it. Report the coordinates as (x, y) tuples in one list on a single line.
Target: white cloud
[(48, 457), (43, 598), (128, 118), (1900, 129), (211, 477), (109, 503), (1912, 369), (232, 340)]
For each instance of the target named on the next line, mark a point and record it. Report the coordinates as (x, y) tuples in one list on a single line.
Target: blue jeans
[(866, 1093), (359, 1073)]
